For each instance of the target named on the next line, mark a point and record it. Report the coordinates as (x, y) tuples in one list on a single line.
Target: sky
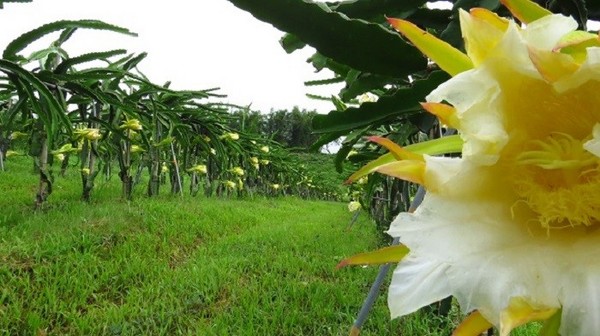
[(194, 44)]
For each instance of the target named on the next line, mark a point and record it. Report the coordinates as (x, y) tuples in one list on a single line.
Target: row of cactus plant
[(60, 112)]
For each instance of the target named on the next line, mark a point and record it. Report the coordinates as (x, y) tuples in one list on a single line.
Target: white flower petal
[(464, 90), (547, 31), (416, 282), (582, 303), (479, 234), (589, 70), (459, 179), (593, 145), (441, 170), (519, 270), (483, 133), (513, 53), (476, 247), (428, 230)]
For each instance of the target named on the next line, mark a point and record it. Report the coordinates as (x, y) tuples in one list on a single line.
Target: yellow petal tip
[(389, 254), (472, 325), (519, 312), (407, 170), (445, 113), (397, 151), (552, 65), (448, 58), (525, 10)]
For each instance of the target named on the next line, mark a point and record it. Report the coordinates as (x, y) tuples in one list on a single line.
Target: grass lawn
[(183, 266)]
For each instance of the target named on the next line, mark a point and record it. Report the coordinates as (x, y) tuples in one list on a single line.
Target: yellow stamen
[(559, 180)]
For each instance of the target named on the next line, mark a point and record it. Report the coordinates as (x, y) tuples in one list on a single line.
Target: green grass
[(183, 266)]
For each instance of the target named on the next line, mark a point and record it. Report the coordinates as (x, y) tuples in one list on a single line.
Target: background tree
[(292, 129)]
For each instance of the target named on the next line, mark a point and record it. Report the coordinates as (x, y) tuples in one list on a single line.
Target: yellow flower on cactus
[(11, 153), (132, 125), (354, 206), (16, 134), (264, 162), (137, 149), (230, 136), (229, 184), (254, 162), (200, 169), (88, 134), (264, 149), (92, 134), (85, 171), (66, 149), (367, 98), (237, 171), (511, 228)]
